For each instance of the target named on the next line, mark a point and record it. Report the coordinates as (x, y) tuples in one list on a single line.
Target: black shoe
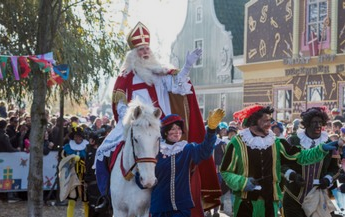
[(102, 204)]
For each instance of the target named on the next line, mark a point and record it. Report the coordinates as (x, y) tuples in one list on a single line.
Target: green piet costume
[(247, 156)]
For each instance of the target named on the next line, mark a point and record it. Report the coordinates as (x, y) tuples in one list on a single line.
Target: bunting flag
[(62, 70), (14, 61), (47, 56), (45, 62), (54, 79), (58, 74), (3, 62), (43, 65), (24, 67)]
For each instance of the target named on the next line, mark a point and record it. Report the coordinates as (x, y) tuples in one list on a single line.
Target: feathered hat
[(243, 115), (139, 35), (76, 130)]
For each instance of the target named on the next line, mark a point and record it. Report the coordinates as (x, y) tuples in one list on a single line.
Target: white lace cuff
[(287, 175), (180, 85)]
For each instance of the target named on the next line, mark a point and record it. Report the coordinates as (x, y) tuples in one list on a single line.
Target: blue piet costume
[(77, 146), (172, 194)]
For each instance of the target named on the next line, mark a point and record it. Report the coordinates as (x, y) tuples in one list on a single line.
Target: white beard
[(147, 69)]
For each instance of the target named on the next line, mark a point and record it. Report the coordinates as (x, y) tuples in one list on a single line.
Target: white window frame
[(198, 14), (285, 110), (199, 62), (309, 89), (325, 43)]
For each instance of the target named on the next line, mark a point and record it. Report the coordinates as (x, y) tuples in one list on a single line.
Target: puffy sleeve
[(231, 168)]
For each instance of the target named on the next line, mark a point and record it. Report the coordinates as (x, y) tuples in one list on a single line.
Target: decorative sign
[(305, 60), (14, 170), (307, 70), (313, 70), (269, 30)]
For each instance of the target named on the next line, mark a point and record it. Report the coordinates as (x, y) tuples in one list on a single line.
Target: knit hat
[(295, 124), (232, 129), (277, 124), (342, 129), (223, 125), (335, 111)]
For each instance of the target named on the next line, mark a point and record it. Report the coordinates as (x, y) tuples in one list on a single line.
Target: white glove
[(191, 58), (181, 85)]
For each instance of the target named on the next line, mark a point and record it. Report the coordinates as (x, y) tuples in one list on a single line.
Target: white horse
[(133, 174)]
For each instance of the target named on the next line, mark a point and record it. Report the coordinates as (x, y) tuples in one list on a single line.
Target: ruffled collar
[(257, 142), (78, 147), (307, 142), (169, 150)]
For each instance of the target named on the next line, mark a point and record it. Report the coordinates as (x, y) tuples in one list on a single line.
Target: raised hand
[(192, 57), (214, 118)]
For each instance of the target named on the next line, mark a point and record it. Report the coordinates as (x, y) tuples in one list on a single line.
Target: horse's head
[(143, 133)]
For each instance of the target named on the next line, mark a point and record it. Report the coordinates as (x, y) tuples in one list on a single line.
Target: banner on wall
[(14, 170)]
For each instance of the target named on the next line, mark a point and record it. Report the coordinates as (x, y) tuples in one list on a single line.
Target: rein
[(129, 174)]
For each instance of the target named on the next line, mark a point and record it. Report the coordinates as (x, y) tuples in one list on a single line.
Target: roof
[(231, 15)]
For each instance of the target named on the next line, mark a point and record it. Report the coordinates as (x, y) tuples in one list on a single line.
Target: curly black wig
[(313, 112), (253, 119)]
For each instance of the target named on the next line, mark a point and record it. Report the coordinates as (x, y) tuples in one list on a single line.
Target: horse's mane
[(146, 120)]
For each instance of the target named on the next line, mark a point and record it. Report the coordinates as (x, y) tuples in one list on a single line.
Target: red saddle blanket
[(114, 155)]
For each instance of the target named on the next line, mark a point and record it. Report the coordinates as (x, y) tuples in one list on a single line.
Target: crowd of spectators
[(15, 125)]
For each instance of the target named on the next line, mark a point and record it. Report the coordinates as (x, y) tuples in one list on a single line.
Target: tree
[(79, 35)]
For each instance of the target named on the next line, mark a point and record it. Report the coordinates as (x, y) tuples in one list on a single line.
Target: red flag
[(54, 79), (24, 67)]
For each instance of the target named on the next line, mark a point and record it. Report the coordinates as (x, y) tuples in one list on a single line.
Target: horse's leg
[(119, 213), (145, 214)]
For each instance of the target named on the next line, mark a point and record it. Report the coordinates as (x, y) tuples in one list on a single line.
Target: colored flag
[(14, 61)]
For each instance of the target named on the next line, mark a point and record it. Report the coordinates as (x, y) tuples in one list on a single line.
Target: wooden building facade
[(294, 55)]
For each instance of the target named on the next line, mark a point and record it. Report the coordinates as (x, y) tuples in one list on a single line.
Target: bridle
[(129, 174)]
